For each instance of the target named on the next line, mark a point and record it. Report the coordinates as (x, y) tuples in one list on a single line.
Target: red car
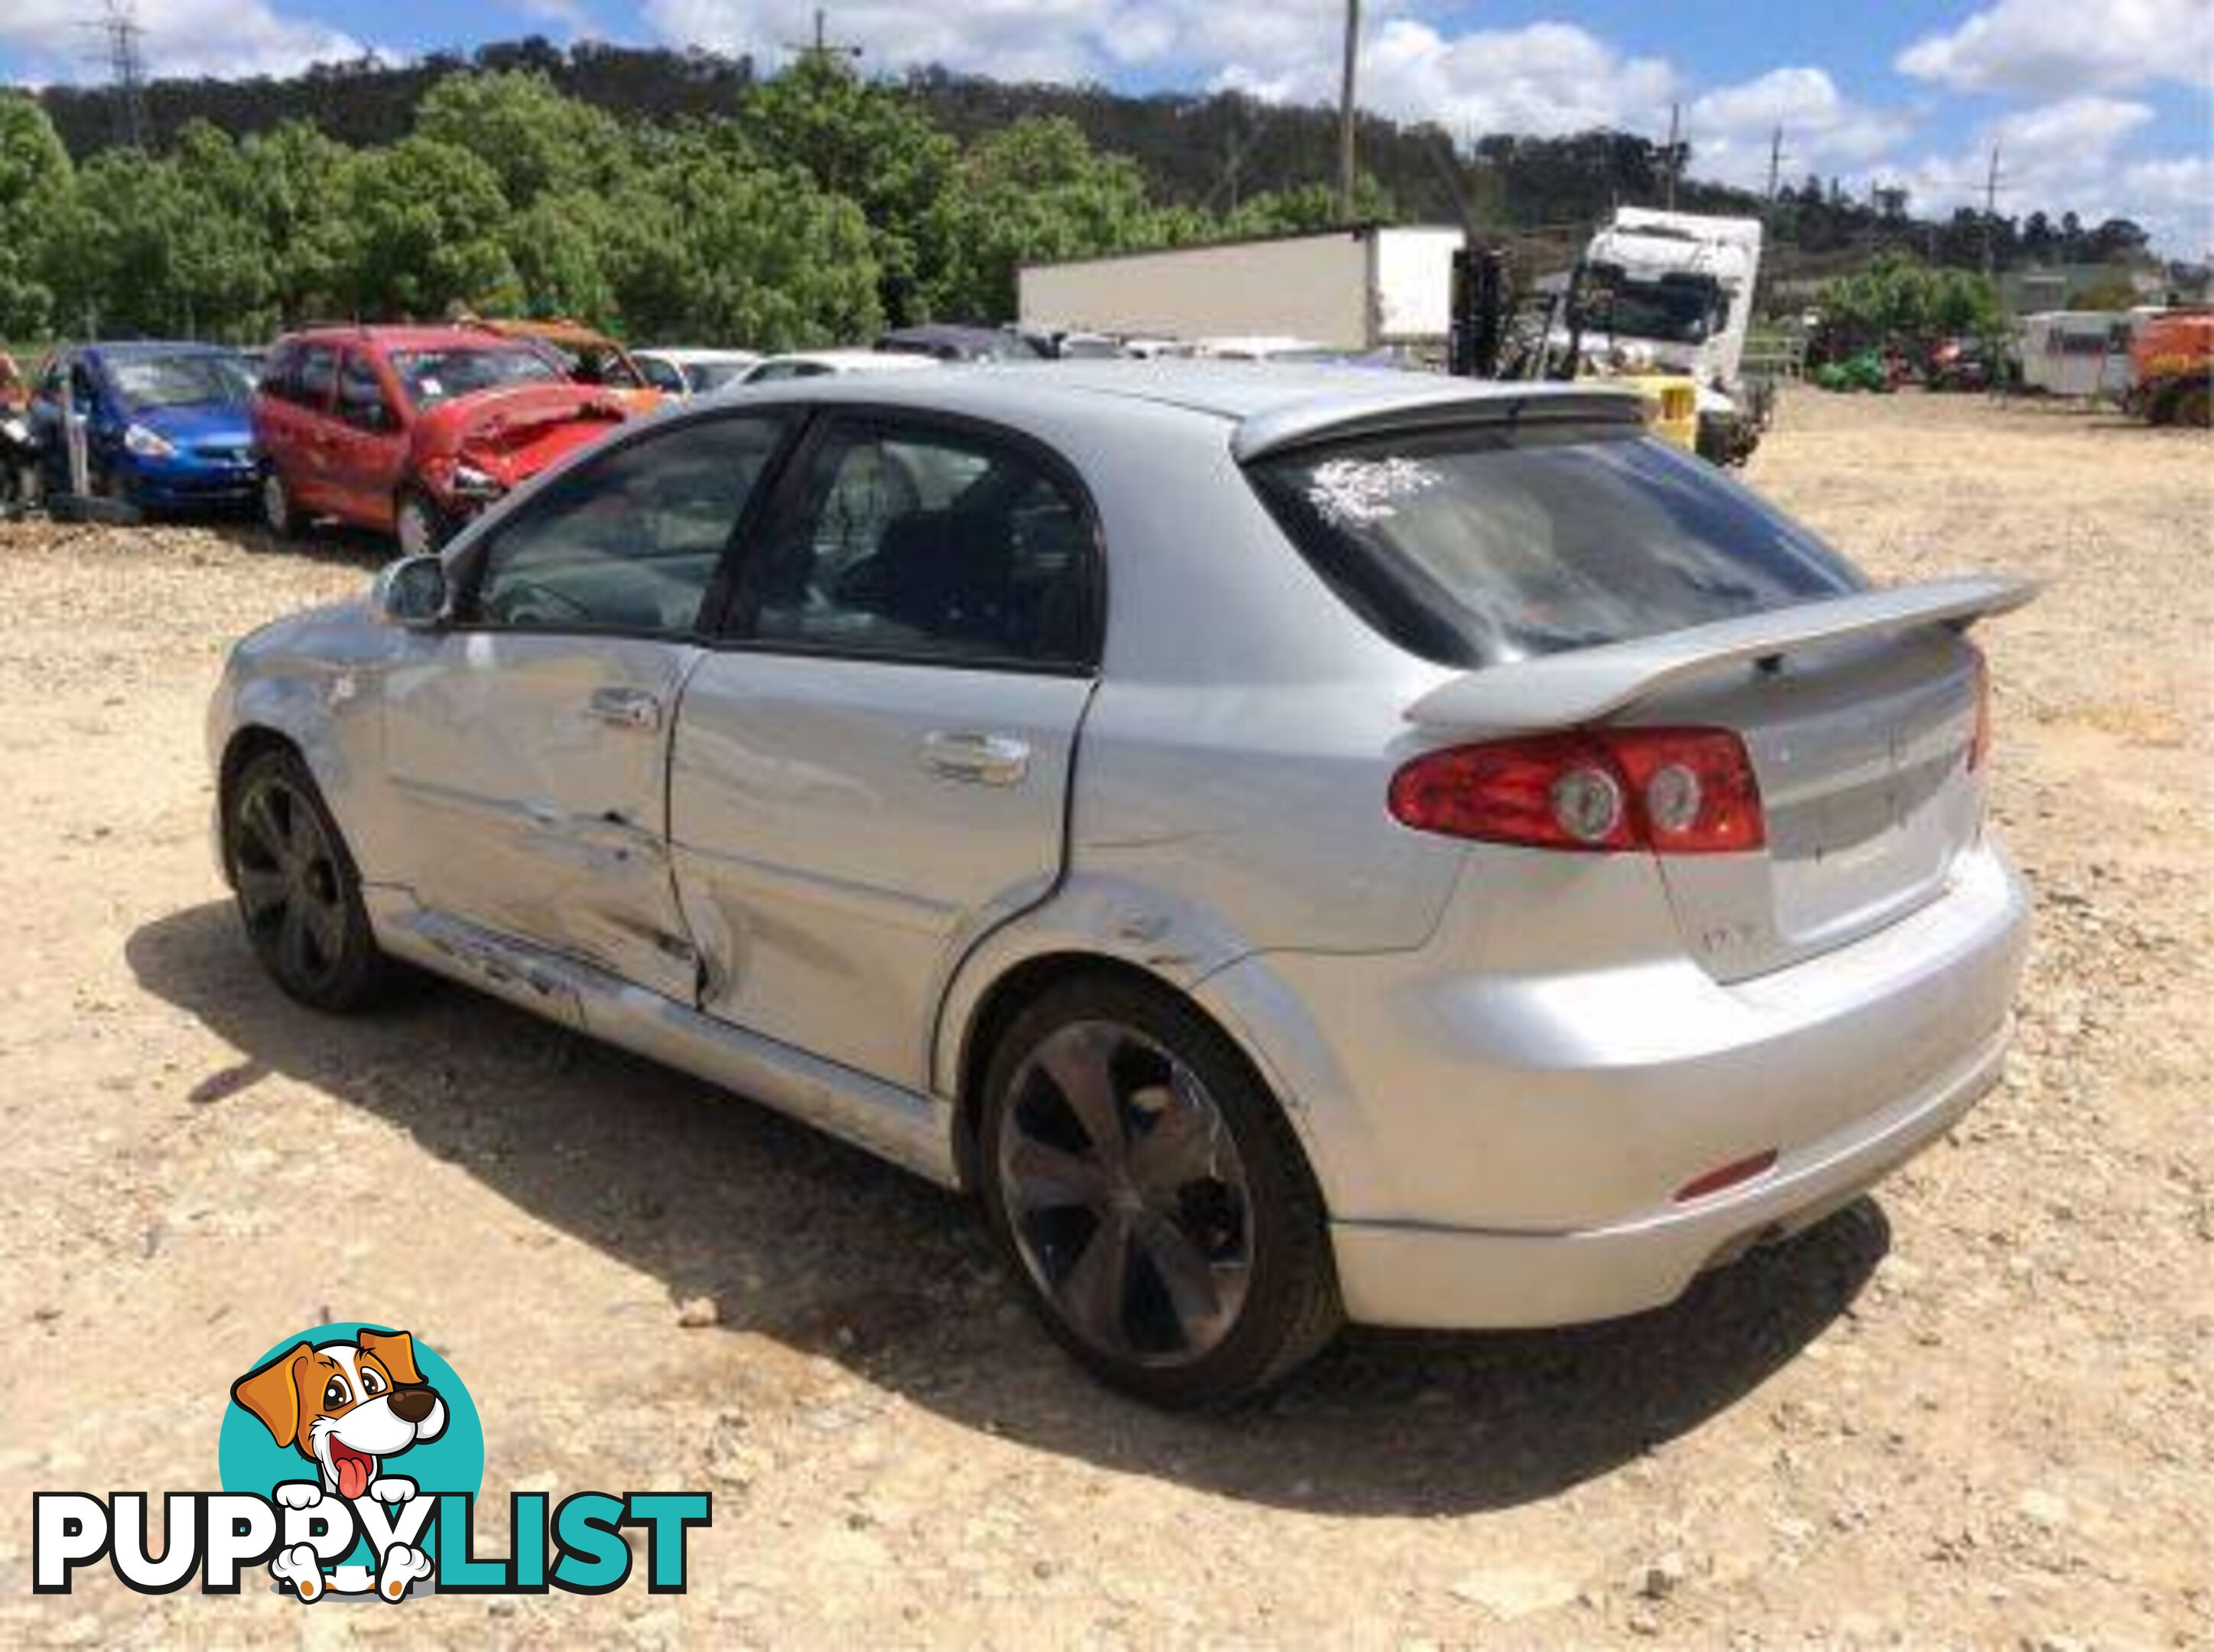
[(410, 430)]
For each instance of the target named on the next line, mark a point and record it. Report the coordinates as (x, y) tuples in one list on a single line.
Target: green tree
[(1038, 191), (425, 222), (35, 184), (709, 246), (1296, 212), (870, 144), (537, 141), (224, 262), (558, 246), (300, 188), (1898, 300)]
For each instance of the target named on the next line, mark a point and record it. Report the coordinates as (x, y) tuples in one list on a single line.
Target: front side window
[(917, 543), (361, 395), (630, 541), (318, 367), (1482, 546)]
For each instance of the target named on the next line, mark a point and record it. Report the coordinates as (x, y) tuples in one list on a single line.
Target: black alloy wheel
[(296, 890), (1153, 1197)]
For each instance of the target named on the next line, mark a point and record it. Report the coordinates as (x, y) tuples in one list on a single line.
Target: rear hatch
[(1862, 754), (1584, 578)]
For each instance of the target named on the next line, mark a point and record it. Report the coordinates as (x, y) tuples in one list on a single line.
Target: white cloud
[(2174, 198), (182, 37), (2071, 156), (1545, 78), (1730, 128), (2049, 46)]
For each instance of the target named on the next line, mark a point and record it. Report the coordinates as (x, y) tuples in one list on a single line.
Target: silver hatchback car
[(1300, 844)]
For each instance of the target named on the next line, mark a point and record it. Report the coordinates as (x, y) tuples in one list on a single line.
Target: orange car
[(2172, 362), (583, 356)]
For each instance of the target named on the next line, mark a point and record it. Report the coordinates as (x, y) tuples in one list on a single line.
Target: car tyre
[(278, 513), (1151, 1197), (420, 525), (297, 891)]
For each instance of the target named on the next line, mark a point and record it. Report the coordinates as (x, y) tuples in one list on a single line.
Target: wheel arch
[(1023, 982)]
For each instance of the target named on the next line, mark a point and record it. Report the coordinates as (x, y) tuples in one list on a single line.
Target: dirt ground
[(1977, 1409)]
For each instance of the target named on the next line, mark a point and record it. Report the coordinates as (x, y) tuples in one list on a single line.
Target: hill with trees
[(683, 195)]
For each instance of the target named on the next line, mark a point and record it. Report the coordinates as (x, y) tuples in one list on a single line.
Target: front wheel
[(298, 894), (420, 525), (278, 513), (1152, 1197)]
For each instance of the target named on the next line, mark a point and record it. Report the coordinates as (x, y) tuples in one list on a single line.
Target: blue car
[(168, 426)]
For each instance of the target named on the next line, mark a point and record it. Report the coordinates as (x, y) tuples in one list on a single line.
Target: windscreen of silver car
[(1477, 547)]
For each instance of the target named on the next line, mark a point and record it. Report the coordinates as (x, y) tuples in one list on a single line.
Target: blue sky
[(2101, 107)]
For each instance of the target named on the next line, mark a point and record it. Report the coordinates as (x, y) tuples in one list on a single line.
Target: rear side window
[(1480, 547), (919, 543)]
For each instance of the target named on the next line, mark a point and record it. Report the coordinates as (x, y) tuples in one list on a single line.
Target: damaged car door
[(527, 742)]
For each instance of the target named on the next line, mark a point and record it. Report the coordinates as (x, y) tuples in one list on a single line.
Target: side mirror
[(411, 592)]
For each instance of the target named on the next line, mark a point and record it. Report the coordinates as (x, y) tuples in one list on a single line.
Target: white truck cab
[(1680, 291)]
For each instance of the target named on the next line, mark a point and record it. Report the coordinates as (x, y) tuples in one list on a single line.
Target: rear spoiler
[(1583, 685)]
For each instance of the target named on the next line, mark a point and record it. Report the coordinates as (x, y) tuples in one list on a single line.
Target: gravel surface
[(1977, 1409)]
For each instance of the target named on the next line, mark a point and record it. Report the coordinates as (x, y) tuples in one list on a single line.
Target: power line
[(126, 70), (822, 49)]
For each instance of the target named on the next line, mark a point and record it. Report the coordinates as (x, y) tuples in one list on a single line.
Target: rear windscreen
[(1477, 547)]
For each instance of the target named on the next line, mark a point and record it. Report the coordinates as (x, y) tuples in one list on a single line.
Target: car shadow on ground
[(326, 541), (801, 1239)]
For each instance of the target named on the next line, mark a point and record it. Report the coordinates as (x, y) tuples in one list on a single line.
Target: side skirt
[(912, 1130)]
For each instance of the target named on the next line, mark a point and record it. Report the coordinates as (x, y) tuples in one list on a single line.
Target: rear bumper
[(1450, 1278), (1501, 1142)]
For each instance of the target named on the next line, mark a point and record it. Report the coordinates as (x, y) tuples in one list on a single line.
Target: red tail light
[(1979, 742), (1596, 790)]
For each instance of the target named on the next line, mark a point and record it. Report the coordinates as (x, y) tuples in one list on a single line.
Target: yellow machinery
[(1672, 405)]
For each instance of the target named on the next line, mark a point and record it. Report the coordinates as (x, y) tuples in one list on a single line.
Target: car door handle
[(982, 759), (625, 708)]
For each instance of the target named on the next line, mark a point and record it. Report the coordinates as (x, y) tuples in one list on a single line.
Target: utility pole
[(126, 70), (1345, 111), (1674, 112), (1990, 204), (822, 51), (1775, 163)]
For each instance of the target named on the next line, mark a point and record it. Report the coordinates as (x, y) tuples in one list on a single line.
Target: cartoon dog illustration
[(346, 1407)]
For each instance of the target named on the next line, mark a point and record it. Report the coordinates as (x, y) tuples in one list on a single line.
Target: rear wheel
[(1152, 1197), (298, 894)]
